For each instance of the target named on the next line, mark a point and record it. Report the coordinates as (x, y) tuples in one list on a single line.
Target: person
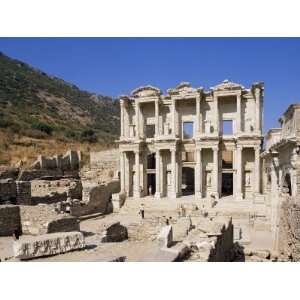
[(16, 234), (142, 211)]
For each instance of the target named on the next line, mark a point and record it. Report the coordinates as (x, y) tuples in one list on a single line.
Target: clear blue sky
[(115, 66)]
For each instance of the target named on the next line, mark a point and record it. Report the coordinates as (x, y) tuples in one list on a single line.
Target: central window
[(188, 130), (227, 127), (150, 131)]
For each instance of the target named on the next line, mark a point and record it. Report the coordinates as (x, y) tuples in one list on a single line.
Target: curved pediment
[(146, 91), (227, 85)]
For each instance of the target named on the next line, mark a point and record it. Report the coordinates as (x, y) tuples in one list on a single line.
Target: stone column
[(173, 172), (197, 115), (217, 120), (239, 173), (122, 171), (137, 119), (257, 110), (174, 118), (238, 114), (122, 118), (179, 173), (216, 172), (137, 175), (157, 174), (156, 118), (198, 174), (257, 172)]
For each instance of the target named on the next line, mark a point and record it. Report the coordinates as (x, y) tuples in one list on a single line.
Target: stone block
[(9, 219), (118, 200), (165, 237), (48, 244), (113, 232)]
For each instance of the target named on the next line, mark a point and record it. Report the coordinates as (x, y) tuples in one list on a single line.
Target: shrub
[(41, 126)]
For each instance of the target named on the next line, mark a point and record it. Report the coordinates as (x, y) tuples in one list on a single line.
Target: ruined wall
[(96, 198), (23, 192), (52, 191), (289, 231), (222, 250), (9, 219), (8, 191), (103, 166), (42, 219), (69, 161)]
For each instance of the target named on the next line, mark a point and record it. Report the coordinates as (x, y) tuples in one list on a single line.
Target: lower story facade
[(207, 168)]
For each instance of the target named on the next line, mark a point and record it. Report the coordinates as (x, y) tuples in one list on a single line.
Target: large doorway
[(151, 184), (188, 181), (227, 184)]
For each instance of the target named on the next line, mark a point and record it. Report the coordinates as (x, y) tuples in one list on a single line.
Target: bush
[(88, 136), (41, 126)]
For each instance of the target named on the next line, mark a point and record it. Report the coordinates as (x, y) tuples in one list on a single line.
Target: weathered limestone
[(48, 244), (42, 219), (118, 200), (96, 198), (113, 232), (165, 237), (178, 141), (211, 240)]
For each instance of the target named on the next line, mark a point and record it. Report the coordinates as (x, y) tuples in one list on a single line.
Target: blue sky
[(115, 66)]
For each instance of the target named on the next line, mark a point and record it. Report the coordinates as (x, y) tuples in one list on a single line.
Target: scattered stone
[(165, 237), (113, 232), (48, 244)]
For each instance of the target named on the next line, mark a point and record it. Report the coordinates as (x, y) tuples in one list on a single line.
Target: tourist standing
[(142, 211)]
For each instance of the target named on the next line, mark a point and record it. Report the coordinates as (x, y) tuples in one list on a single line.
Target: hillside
[(36, 108)]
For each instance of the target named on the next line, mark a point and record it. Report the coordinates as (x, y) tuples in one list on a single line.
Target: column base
[(198, 195), (157, 195), (238, 196), (137, 194), (173, 195)]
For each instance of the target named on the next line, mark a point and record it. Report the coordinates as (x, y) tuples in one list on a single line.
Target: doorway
[(151, 184), (188, 181), (227, 184)]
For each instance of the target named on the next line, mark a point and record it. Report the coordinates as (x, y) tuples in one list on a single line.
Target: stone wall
[(212, 240), (8, 190), (42, 219), (23, 189), (289, 231), (53, 191), (69, 161), (9, 219), (96, 198)]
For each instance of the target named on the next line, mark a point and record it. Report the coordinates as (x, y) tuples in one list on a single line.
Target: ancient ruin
[(194, 161), (192, 142)]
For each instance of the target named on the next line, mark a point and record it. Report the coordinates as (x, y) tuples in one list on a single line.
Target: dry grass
[(14, 148)]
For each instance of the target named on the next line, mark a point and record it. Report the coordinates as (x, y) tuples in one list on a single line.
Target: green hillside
[(36, 105)]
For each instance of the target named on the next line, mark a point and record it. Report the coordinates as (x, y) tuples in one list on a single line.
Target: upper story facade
[(288, 133), (227, 110)]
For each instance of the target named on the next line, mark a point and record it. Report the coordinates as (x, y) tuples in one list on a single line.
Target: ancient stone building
[(192, 142), (281, 168)]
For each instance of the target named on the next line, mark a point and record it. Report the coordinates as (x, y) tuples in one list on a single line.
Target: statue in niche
[(208, 179), (248, 179), (169, 180)]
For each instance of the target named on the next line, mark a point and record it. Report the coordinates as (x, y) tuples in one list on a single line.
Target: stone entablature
[(185, 131)]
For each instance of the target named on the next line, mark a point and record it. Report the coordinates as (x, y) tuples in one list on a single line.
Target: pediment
[(146, 91), (227, 85)]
